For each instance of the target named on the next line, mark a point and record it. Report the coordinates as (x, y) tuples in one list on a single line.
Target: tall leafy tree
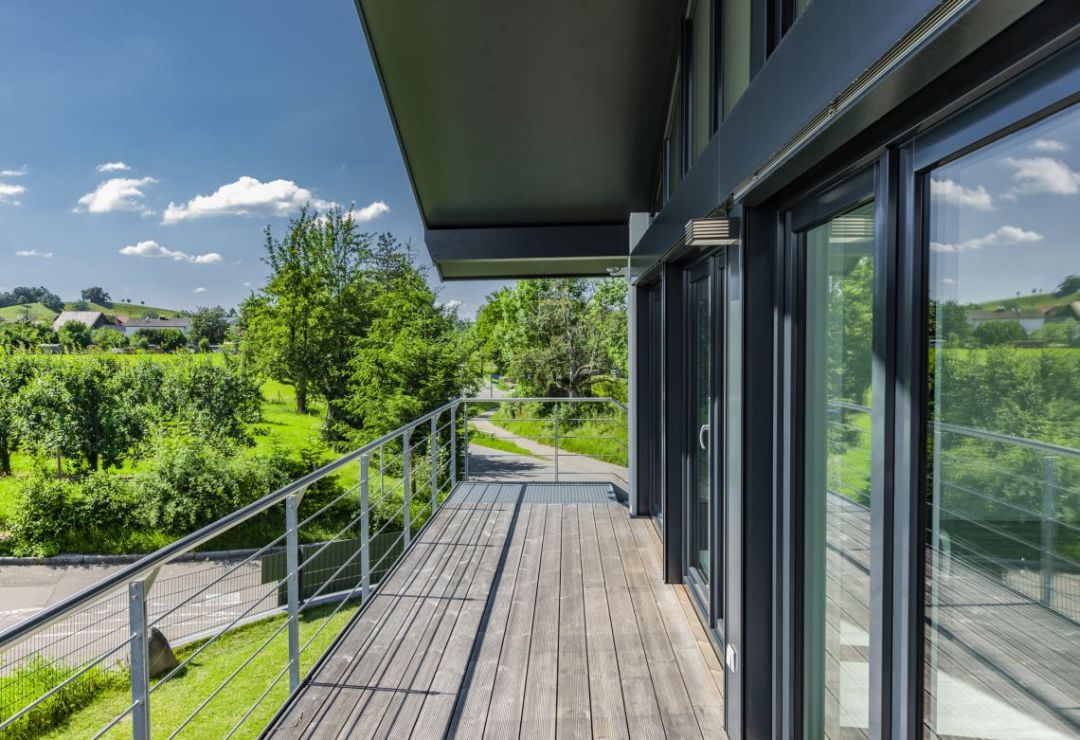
[(96, 295), (209, 323), (16, 372)]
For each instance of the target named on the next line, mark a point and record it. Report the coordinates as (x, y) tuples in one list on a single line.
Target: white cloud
[(1043, 175), (9, 194), (113, 167), (151, 248), (1048, 145), (33, 253), (15, 173), (953, 193), (453, 305), (117, 194), (247, 285), (246, 197), (199, 290), (369, 212), (1002, 236)]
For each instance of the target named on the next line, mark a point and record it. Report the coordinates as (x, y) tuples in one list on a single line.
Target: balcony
[(510, 593)]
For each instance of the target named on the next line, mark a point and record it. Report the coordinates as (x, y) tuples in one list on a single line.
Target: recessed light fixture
[(712, 232)]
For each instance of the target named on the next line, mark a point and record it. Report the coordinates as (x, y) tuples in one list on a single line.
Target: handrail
[(170, 552), (1033, 444)]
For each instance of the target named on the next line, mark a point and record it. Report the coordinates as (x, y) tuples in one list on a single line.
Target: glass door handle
[(701, 436)]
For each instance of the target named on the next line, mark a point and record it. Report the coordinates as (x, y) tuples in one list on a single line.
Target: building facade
[(870, 486)]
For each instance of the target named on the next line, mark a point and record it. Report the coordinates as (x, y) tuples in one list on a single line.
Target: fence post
[(1048, 516), (406, 485), (434, 444), (465, 412), (292, 587), (140, 661), (453, 447), (556, 446), (365, 531)]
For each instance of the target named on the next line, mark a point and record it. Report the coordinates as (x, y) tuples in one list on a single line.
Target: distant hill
[(1035, 300), (131, 310), (31, 311)]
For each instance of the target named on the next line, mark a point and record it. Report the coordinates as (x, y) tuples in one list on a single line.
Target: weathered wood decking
[(522, 610)]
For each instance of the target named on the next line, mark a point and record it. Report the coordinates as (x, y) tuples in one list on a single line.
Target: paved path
[(488, 464)]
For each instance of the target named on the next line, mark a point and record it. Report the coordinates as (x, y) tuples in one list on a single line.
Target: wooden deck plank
[(468, 634), (472, 711), (542, 679), (639, 695), (605, 685), (508, 696), (381, 614), (573, 713), (676, 709), (468, 598), (415, 633)]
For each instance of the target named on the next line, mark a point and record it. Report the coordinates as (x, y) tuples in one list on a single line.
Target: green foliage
[(210, 324), (108, 338), (75, 335), (994, 333), (1065, 332), (25, 336), (167, 340), (16, 372), (211, 400), (555, 336), (39, 675), (32, 295), (192, 484), (1068, 286), (96, 295)]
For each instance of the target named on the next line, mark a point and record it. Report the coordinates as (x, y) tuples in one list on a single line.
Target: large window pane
[(1002, 645), (839, 357), (701, 78), (735, 50)]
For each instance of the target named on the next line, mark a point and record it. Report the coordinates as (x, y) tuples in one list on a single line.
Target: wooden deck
[(522, 610)]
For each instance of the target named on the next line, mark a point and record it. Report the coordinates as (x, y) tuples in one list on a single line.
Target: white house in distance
[(131, 326)]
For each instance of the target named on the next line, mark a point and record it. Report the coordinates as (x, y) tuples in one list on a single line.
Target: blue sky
[(119, 115)]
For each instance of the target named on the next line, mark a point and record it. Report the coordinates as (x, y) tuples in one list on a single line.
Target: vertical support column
[(292, 587), (434, 444), (453, 447), (1049, 507), (465, 411), (556, 444), (140, 661), (365, 531), (406, 485), (633, 391)]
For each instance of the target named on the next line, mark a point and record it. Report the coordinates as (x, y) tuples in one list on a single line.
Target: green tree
[(994, 333), (16, 372), (1058, 332), (96, 295), (1068, 286), (75, 335), (74, 410), (299, 328), (170, 340), (208, 323), (108, 338)]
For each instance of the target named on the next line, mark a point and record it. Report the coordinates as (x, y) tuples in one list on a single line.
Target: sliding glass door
[(699, 498)]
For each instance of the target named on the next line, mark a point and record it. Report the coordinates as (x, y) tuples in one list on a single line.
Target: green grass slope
[(27, 312), (131, 310)]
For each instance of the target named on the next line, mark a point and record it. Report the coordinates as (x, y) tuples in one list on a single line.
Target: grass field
[(486, 439), (175, 700), (1035, 300), (131, 310), (600, 439), (27, 312)]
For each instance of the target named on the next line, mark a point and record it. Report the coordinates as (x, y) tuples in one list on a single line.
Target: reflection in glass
[(700, 400), (675, 145), (839, 357), (1002, 640), (735, 50)]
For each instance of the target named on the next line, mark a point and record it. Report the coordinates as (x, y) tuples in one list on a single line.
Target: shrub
[(40, 675), (192, 484)]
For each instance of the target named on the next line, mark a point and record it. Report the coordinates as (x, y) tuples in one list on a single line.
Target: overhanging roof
[(514, 117)]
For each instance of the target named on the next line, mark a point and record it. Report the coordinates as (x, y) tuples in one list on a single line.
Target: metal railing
[(546, 438), (342, 528), (1016, 539)]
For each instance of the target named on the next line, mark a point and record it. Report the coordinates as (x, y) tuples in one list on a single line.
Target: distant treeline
[(23, 294)]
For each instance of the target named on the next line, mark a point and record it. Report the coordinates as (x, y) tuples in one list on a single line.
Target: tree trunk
[(5, 458), (92, 460), (301, 398)]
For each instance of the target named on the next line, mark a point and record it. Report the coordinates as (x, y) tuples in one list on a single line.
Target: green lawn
[(176, 699), (1035, 300), (27, 312), (131, 310), (603, 440), (486, 439)]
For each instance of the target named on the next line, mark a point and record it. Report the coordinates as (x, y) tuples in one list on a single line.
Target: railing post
[(406, 485), (556, 446), (434, 444), (365, 531), (465, 412), (453, 447), (1049, 507), (292, 587), (140, 661)]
